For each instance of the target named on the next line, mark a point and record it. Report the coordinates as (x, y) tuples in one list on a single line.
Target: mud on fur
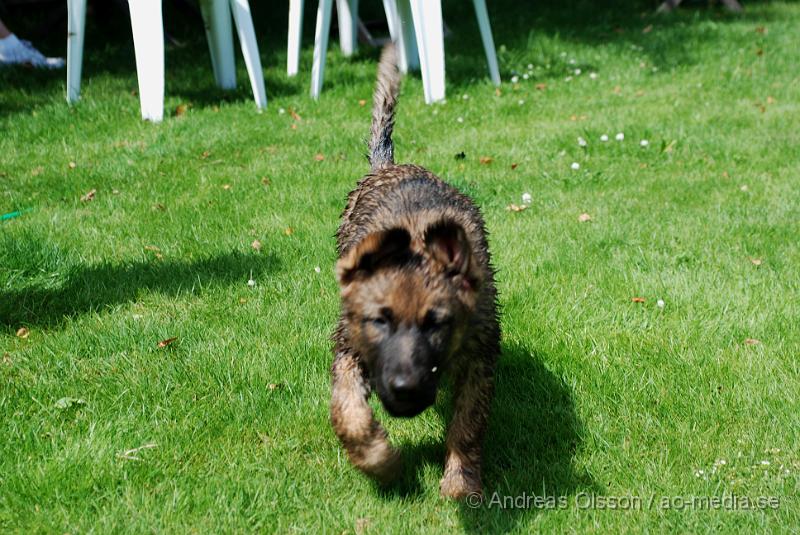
[(418, 302)]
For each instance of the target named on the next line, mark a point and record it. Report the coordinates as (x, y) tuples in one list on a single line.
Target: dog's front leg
[(473, 392), (361, 435)]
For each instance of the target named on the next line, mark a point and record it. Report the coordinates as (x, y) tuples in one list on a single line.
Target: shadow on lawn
[(92, 288), (532, 437)]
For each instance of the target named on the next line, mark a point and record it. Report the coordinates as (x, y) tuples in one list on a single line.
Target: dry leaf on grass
[(7, 359), (516, 208), (637, 299), (152, 248), (266, 181), (751, 341), (756, 261), (319, 157), (205, 154), (362, 102), (275, 386), (288, 231), (72, 165), (514, 166), (88, 196), (166, 342), (180, 109), (295, 115), (486, 160), (23, 332), (647, 29), (226, 186), (583, 218), (361, 525), (541, 86), (256, 245)]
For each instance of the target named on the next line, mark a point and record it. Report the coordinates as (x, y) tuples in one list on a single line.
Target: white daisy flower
[(575, 166), (620, 136)]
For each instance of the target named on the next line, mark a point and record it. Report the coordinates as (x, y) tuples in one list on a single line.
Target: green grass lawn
[(692, 392)]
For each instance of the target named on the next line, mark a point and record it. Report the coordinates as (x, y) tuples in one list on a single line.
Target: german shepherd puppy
[(418, 302)]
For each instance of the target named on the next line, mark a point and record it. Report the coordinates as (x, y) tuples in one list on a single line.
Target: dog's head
[(407, 304)]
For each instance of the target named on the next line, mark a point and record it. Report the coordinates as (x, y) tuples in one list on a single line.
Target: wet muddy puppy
[(418, 301)]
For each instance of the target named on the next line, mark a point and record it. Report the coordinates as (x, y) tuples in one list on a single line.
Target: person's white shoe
[(14, 51)]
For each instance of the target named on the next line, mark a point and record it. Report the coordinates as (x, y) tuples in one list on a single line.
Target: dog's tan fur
[(411, 243)]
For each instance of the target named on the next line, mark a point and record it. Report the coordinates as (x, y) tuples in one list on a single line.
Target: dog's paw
[(459, 484), (384, 468)]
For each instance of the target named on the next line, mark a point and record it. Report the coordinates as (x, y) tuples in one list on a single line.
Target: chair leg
[(488, 41), (427, 15), (408, 56), (295, 35), (321, 34), (76, 22), (219, 33), (247, 42), (148, 42), (347, 11)]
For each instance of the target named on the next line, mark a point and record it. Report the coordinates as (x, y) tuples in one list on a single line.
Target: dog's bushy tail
[(381, 147)]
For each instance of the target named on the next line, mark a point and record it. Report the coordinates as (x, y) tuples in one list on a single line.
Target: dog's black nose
[(404, 387)]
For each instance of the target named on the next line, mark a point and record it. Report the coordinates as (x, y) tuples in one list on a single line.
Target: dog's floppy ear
[(375, 250), (447, 243)]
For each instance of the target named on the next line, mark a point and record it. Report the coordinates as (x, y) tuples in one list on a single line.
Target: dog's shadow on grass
[(96, 287), (533, 436)]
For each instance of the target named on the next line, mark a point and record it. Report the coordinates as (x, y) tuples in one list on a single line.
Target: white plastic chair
[(148, 40), (347, 11), (415, 26), (426, 17), (348, 28)]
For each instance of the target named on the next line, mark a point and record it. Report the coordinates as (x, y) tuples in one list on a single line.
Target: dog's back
[(403, 195)]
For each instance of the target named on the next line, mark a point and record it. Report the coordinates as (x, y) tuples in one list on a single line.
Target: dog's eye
[(435, 320), (383, 319)]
